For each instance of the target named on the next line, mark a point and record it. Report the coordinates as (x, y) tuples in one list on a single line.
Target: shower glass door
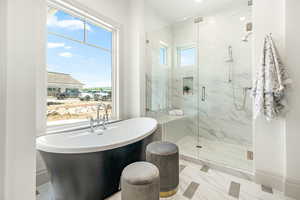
[(224, 77)]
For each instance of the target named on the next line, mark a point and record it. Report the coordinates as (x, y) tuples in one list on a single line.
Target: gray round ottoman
[(165, 156), (140, 181)]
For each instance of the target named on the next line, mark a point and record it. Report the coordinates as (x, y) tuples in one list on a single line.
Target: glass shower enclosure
[(198, 83)]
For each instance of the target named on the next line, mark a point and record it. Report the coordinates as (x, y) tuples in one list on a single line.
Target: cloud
[(51, 45), (71, 24), (66, 54)]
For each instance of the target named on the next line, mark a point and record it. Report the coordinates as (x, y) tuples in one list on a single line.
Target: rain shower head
[(246, 37)]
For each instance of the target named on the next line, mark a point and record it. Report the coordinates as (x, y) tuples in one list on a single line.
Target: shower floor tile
[(195, 184), (218, 152)]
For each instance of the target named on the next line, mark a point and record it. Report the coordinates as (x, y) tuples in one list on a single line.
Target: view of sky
[(188, 56), (90, 65)]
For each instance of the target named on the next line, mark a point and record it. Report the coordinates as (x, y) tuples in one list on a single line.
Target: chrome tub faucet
[(100, 120), (103, 122)]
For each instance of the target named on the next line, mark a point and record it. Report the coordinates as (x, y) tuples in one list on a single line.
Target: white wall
[(277, 160), (153, 21), (292, 185), (116, 10), (268, 136), (2, 93), (134, 86), (23, 57)]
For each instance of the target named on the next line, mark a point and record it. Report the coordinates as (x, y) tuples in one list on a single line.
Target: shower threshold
[(230, 158)]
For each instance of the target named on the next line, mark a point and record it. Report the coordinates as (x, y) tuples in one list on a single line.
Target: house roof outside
[(61, 78)]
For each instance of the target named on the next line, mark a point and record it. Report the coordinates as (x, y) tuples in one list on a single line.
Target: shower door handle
[(203, 93)]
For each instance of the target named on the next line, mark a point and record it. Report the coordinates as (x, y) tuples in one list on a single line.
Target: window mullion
[(84, 32)]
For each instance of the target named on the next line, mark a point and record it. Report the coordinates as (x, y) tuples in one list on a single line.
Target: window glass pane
[(163, 56), (81, 78), (99, 36), (187, 56), (65, 24)]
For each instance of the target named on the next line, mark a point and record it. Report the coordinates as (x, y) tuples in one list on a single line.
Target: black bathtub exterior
[(91, 176)]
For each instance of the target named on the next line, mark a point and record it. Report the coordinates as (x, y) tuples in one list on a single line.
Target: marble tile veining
[(213, 185)]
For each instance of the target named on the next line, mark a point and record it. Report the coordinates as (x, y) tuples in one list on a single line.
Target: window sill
[(73, 127)]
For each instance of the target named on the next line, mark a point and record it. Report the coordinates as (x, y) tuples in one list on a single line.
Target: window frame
[(91, 17), (85, 21)]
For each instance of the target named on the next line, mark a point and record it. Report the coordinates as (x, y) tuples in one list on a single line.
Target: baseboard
[(269, 179), (42, 177), (292, 188)]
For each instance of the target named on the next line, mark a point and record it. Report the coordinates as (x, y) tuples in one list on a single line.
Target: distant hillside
[(97, 89)]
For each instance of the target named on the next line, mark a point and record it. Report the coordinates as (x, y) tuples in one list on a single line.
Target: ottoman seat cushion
[(140, 181), (140, 173), (162, 148)]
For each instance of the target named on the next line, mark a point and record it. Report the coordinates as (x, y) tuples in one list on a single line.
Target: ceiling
[(177, 10)]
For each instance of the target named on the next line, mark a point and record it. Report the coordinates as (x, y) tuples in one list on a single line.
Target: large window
[(186, 56), (80, 65)]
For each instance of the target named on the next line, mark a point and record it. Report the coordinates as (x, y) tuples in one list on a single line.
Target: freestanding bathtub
[(87, 166)]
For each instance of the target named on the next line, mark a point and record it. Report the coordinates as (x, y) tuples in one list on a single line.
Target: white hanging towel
[(270, 83)]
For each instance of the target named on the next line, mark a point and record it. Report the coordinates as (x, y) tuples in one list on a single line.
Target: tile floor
[(219, 152), (201, 183)]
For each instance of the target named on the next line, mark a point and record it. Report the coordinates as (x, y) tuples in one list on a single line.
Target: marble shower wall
[(219, 118)]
